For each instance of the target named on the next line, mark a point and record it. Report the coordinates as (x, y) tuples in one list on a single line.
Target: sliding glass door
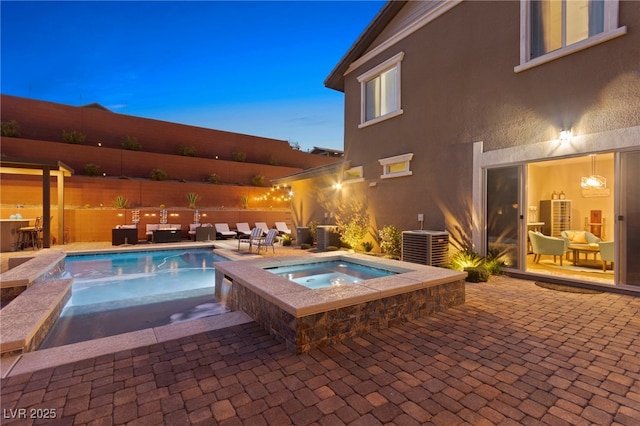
[(503, 213), (629, 218)]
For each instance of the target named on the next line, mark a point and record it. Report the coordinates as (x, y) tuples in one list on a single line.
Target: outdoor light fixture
[(594, 181), (565, 136), (337, 186)]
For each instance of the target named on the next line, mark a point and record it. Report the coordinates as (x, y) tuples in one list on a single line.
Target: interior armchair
[(543, 244)]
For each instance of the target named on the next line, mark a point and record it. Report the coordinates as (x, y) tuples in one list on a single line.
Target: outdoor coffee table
[(584, 248)]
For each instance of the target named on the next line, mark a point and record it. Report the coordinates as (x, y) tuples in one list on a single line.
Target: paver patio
[(514, 353)]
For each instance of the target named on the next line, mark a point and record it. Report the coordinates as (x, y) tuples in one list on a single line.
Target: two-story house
[(478, 117)]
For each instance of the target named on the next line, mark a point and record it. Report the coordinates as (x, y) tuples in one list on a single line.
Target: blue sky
[(247, 67)]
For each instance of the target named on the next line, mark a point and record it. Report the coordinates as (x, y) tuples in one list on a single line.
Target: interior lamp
[(593, 181)]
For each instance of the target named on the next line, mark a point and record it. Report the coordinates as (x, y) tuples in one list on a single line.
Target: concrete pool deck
[(514, 353)]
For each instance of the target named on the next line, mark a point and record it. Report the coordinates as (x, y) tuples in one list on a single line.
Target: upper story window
[(551, 29), (380, 92)]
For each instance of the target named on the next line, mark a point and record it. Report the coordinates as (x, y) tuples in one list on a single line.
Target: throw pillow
[(580, 238)]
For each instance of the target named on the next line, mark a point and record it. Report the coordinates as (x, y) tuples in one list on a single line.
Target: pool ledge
[(303, 318), (61, 355), (25, 321)]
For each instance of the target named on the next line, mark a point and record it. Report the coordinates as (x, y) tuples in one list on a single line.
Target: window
[(353, 175), (380, 92), (396, 166), (551, 29)]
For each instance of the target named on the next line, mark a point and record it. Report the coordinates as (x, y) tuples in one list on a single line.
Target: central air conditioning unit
[(426, 247), (327, 236)]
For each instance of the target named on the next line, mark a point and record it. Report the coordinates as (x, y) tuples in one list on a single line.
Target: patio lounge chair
[(192, 230), (223, 231), (269, 240), (263, 226), (243, 229), (282, 228), (253, 238), (542, 244)]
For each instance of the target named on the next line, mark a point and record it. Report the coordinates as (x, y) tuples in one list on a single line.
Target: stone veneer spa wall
[(305, 318)]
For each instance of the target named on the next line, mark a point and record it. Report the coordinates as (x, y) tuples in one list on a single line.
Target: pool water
[(123, 292), (330, 273)]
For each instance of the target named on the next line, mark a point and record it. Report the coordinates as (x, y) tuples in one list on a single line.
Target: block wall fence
[(90, 214)]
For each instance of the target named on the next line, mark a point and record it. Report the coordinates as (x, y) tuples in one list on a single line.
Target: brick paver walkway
[(513, 354)]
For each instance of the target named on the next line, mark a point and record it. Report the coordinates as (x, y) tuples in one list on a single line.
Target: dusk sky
[(247, 67)]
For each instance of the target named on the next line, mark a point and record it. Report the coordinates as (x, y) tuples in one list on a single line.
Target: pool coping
[(300, 301), (61, 355)]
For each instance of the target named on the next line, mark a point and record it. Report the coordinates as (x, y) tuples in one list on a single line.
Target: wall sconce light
[(565, 136), (99, 143), (337, 186)]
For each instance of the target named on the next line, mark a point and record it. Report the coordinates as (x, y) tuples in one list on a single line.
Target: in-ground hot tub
[(305, 318)]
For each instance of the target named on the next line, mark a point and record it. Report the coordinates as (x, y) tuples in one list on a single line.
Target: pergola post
[(46, 207)]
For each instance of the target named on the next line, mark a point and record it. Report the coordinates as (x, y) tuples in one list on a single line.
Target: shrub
[(240, 157), (120, 202), (257, 180), (353, 222), (91, 169), (305, 246), (391, 241), (192, 198), (466, 258), (273, 161), (158, 174), (73, 137), (478, 267), (130, 143), (333, 248), (286, 240), (187, 151), (367, 246), (477, 274), (214, 178), (244, 200), (313, 230), (10, 129), (494, 262)]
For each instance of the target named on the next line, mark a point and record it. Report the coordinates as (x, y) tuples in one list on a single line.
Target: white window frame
[(611, 31), (393, 62), (357, 172), (386, 164)]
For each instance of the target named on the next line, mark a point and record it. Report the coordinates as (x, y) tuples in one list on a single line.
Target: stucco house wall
[(459, 87)]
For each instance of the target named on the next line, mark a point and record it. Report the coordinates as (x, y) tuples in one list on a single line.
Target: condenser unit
[(426, 247), (327, 236)]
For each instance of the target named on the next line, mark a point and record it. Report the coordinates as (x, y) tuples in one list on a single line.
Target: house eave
[(335, 79)]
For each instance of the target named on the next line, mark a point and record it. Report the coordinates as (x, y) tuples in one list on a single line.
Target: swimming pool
[(122, 292), (329, 273)]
